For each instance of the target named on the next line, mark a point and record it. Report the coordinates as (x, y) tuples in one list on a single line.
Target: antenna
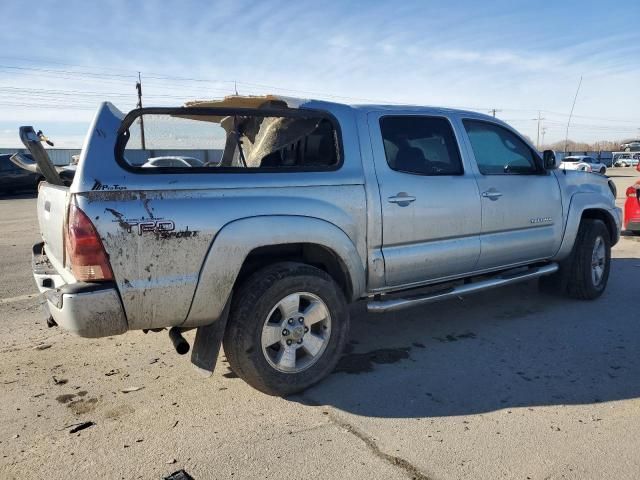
[(566, 137)]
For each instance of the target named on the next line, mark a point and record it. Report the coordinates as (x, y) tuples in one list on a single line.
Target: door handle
[(492, 194), (402, 199)]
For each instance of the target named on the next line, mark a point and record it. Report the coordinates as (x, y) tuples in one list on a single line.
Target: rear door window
[(498, 151), (200, 141), (420, 145)]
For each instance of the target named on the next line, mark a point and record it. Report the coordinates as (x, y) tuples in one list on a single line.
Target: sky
[(59, 60)]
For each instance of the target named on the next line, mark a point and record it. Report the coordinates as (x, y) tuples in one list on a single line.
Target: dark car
[(13, 178), (631, 146)]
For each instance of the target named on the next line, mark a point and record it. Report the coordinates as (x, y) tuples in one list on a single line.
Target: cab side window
[(420, 145), (499, 151)]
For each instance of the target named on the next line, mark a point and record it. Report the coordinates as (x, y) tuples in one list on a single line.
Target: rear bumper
[(86, 309)]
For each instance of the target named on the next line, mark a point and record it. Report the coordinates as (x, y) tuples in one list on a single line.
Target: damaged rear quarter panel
[(157, 241)]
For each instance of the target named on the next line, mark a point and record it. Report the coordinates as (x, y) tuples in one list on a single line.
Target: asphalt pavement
[(505, 384)]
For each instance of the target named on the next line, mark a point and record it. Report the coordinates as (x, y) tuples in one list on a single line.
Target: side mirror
[(549, 160)]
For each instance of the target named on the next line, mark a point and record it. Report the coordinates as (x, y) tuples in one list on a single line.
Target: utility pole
[(566, 137), (139, 88), (544, 130), (493, 111), (539, 119)]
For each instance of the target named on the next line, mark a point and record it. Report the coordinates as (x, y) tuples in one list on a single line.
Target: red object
[(85, 252), (632, 208), (638, 166)]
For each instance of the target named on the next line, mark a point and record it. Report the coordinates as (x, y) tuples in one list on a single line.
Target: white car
[(584, 163), (173, 162), (626, 159)]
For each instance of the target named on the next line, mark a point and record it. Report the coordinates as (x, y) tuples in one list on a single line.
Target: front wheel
[(585, 273), (591, 261), (287, 327)]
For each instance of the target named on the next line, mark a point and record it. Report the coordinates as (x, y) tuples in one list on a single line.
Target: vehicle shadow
[(17, 195), (512, 347)]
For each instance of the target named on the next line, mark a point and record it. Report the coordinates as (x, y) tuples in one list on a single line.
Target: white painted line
[(19, 298)]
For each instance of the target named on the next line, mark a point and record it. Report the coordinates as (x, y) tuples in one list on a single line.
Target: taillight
[(632, 191), (85, 252)]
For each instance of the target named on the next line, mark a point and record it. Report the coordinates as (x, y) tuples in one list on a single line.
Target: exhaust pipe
[(179, 342)]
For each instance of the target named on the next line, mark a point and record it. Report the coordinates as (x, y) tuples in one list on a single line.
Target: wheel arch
[(310, 253), (587, 206), (244, 245), (605, 216)]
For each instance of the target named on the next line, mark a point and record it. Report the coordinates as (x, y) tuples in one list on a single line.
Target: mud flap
[(207, 343)]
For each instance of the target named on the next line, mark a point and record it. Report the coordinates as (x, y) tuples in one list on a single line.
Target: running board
[(382, 306)]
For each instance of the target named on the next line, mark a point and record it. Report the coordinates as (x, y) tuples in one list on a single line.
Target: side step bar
[(382, 306)]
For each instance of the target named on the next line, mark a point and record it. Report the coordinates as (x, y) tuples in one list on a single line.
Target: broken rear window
[(182, 140)]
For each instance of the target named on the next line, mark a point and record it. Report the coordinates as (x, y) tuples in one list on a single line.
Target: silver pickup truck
[(293, 209)]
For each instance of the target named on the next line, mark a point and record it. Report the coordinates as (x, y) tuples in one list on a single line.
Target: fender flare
[(580, 202), (237, 239)]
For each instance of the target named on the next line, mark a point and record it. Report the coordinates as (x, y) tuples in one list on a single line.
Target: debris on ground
[(112, 372), (131, 389), (171, 461), (59, 381), (80, 426), (42, 346), (179, 475)]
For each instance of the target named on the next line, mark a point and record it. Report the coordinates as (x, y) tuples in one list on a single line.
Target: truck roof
[(256, 101)]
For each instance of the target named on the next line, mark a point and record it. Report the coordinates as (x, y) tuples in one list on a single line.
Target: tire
[(258, 312), (603, 170), (575, 278)]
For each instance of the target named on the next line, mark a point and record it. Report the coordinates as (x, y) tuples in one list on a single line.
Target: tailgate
[(52, 209), (52, 195)]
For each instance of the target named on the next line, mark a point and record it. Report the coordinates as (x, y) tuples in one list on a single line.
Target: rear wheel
[(287, 328)]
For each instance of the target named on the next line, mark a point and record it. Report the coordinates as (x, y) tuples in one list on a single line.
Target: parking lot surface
[(505, 384)]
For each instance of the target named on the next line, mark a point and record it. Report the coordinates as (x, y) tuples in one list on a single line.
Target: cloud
[(515, 57)]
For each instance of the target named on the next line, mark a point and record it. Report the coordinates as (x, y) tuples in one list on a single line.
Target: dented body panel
[(158, 242)]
